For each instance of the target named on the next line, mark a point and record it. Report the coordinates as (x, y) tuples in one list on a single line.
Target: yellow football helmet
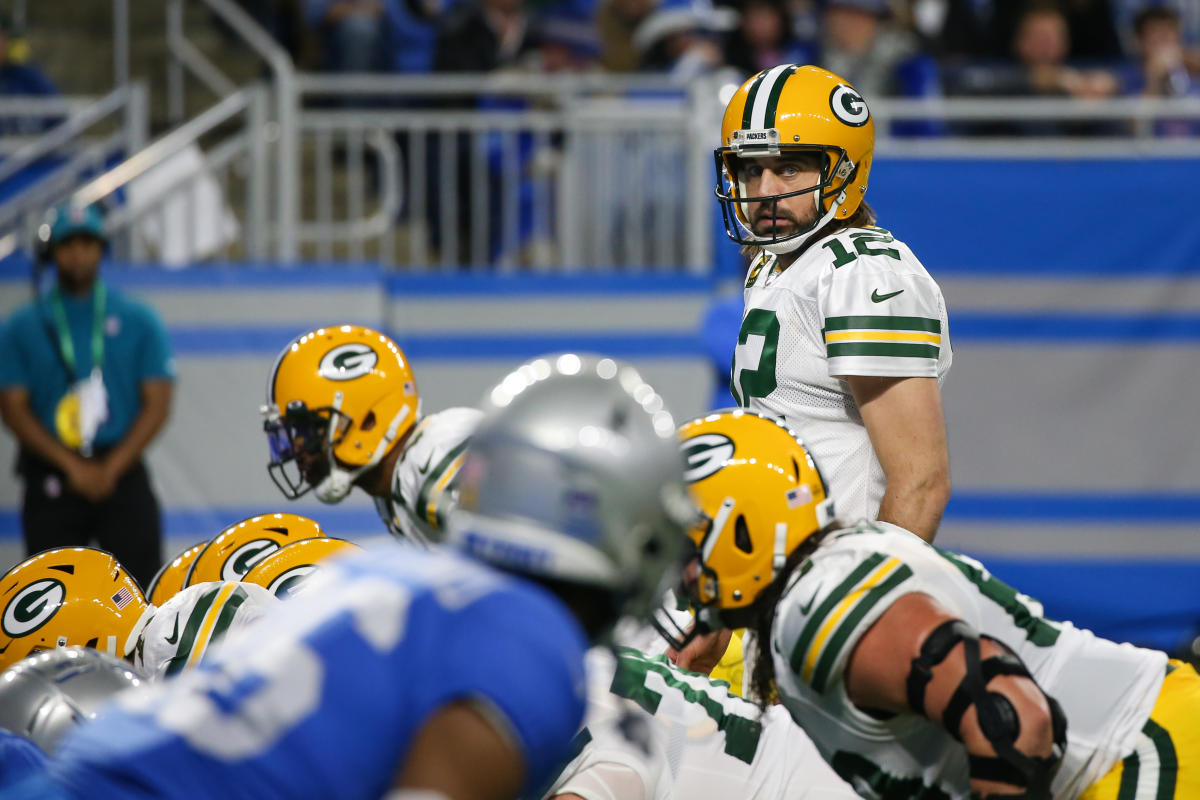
[(338, 399), (790, 108), (285, 569), (762, 497), (67, 596), (233, 551), (171, 576)]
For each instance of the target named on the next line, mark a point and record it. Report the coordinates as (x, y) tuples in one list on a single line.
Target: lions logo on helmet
[(762, 497), (795, 109), (234, 551), (284, 571), (67, 596), (338, 400), (172, 576)]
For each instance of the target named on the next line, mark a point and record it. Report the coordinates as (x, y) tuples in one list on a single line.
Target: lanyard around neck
[(65, 345)]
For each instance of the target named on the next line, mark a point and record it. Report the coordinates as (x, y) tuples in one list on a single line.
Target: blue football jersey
[(322, 699)]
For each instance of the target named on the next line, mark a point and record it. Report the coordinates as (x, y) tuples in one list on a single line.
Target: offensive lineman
[(426, 671), (343, 410), (844, 335), (916, 672)]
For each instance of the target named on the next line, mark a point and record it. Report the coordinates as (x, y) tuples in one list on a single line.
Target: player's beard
[(763, 218)]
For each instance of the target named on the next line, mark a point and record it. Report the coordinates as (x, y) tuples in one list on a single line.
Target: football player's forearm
[(916, 506)]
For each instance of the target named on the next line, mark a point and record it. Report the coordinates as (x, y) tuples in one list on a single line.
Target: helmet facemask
[(837, 172), (301, 441)]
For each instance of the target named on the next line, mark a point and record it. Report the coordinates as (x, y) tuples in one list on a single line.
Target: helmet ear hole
[(741, 535), (368, 422)]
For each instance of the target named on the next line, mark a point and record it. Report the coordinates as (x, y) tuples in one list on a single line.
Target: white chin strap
[(334, 487)]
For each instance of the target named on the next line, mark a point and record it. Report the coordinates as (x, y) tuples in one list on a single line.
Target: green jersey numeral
[(760, 381), (863, 245), (1026, 612), (633, 668), (870, 780)]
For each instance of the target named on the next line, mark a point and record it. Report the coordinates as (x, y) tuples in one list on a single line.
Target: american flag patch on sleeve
[(123, 597)]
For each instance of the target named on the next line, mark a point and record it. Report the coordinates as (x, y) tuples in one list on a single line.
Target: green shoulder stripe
[(225, 618), (847, 625), (890, 349), (435, 475), (192, 627), (924, 324), (836, 596)]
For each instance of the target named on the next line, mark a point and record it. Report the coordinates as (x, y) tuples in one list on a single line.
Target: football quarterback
[(844, 333), (914, 670)]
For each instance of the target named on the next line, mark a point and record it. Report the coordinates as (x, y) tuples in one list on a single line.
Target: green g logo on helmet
[(240, 561), (704, 455), (347, 362), (33, 607), (849, 106)]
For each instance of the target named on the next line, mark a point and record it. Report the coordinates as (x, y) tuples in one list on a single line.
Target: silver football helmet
[(574, 476), (44, 696)]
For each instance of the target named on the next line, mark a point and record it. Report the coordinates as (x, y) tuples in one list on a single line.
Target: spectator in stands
[(616, 22), (350, 32), (861, 44), (1041, 69), (683, 40), (764, 37), (1091, 27), (85, 384), (483, 35), (1160, 70), (567, 45), (21, 79), (951, 30)]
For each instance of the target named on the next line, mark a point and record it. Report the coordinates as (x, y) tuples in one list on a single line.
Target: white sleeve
[(881, 313)]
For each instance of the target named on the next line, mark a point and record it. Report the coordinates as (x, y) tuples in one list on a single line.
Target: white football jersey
[(425, 479), (704, 742), (857, 302), (1106, 689), (177, 634)]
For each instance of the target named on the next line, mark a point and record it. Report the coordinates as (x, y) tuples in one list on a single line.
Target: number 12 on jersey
[(759, 325)]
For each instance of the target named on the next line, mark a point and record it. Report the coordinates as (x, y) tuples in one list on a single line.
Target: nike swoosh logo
[(876, 297), (806, 607), (174, 637), (424, 469)]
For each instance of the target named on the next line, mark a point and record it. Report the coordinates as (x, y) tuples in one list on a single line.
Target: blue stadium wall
[(1074, 295)]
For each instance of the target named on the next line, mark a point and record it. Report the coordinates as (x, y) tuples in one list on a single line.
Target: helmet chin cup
[(334, 487)]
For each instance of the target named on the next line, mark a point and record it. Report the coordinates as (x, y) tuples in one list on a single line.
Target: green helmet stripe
[(748, 111), (773, 97), (188, 640)]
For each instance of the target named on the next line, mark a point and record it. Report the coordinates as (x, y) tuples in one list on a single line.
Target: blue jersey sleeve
[(522, 654), (19, 758), (324, 697)]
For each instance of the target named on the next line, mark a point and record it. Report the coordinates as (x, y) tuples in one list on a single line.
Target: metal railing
[(89, 135), (284, 153)]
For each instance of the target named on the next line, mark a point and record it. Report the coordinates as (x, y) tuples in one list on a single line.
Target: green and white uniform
[(176, 636), (1106, 689), (700, 741), (857, 302), (425, 479)]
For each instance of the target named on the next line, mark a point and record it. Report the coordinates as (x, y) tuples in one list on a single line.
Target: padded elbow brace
[(998, 719)]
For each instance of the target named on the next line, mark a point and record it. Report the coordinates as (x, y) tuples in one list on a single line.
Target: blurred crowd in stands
[(902, 48), (913, 48)]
